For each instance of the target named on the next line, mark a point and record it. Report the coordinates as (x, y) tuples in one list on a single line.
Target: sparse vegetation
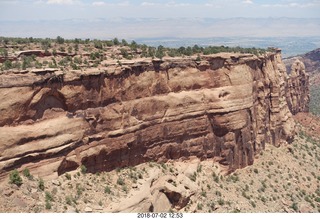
[(83, 169), (68, 200), (221, 201), (193, 177), (48, 205), (48, 196), (107, 190), (120, 181), (315, 100), (41, 184), (15, 178), (64, 49), (68, 176)]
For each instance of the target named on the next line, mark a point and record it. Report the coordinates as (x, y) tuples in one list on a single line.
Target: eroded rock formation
[(225, 107), (298, 95)]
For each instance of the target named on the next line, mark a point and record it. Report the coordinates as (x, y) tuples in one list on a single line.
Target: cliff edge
[(225, 107)]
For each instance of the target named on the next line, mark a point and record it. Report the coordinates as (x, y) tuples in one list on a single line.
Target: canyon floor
[(284, 179)]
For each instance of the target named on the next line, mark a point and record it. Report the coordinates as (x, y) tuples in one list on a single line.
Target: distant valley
[(290, 46), (293, 35)]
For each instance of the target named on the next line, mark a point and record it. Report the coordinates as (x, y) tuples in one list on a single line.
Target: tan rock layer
[(226, 107), (298, 95)]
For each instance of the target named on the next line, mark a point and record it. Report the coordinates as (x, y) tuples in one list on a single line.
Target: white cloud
[(247, 2), (174, 4), (62, 2), (102, 3), (148, 4), (126, 3), (98, 3), (292, 5)]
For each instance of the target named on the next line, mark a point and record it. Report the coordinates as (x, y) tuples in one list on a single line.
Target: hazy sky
[(91, 9)]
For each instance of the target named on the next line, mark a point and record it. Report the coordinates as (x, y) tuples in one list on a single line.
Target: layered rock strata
[(225, 107), (298, 94)]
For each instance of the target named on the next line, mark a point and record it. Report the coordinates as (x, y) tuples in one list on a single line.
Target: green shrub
[(15, 178), (294, 206), (48, 205), (120, 181), (193, 177), (221, 201), (107, 190), (83, 169), (125, 188), (27, 174), (41, 184), (68, 200), (68, 176), (199, 168), (199, 206), (48, 196)]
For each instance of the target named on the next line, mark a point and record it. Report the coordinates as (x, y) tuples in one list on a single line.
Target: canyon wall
[(225, 107)]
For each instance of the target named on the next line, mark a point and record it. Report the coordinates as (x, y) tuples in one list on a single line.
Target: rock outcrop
[(298, 95), (225, 107)]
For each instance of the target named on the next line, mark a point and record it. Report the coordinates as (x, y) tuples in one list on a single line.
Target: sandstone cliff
[(225, 107), (298, 95)]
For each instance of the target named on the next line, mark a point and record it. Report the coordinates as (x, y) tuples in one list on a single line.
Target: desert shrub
[(163, 165), (120, 181), (68, 176), (68, 200), (83, 169), (199, 168), (125, 188), (221, 202), (48, 205), (48, 196), (193, 177), (215, 178), (41, 184), (294, 206), (26, 173), (15, 178), (7, 65), (107, 190)]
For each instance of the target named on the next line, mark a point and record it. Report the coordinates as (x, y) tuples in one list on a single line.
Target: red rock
[(226, 108)]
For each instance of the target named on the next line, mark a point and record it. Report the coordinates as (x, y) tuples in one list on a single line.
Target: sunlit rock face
[(225, 107)]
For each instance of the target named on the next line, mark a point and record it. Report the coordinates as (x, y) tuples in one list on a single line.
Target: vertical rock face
[(298, 95), (225, 107)]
